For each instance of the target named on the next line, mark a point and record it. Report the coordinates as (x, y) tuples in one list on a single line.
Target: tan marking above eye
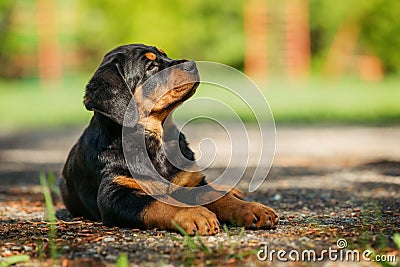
[(161, 51), (150, 56)]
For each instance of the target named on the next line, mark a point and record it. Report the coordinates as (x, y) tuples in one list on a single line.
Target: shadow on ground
[(317, 204)]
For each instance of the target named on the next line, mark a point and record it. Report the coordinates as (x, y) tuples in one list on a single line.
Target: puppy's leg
[(123, 203), (234, 191), (253, 215), (71, 199), (229, 207)]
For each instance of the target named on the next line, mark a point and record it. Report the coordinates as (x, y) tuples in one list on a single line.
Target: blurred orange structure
[(297, 38), (49, 52), (276, 42), (277, 38), (46, 36), (342, 57), (255, 30)]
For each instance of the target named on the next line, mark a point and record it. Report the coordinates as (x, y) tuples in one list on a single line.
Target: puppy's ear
[(109, 93)]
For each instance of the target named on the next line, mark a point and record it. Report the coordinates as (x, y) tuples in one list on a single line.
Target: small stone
[(6, 253), (111, 258), (304, 239), (309, 245), (27, 248), (151, 239), (109, 239), (211, 239), (277, 197), (91, 251), (357, 209), (16, 248)]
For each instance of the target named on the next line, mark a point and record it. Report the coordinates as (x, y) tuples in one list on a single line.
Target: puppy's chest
[(169, 159)]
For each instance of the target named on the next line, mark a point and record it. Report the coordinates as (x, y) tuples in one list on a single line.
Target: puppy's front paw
[(253, 215), (197, 220)]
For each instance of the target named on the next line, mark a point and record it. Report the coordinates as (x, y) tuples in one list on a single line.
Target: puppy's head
[(156, 83)]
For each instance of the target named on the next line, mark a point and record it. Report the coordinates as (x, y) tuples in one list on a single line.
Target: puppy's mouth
[(186, 86), (188, 90), (177, 86)]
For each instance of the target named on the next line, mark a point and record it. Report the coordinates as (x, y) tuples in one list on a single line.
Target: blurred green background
[(316, 61)]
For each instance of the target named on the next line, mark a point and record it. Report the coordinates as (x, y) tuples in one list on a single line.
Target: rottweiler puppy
[(96, 181)]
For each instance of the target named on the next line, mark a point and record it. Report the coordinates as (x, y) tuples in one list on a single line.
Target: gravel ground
[(327, 184)]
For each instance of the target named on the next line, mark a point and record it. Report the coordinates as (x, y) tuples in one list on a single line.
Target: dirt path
[(326, 183)]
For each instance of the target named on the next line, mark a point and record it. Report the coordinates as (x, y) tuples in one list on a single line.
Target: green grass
[(196, 250), (316, 101), (344, 102), (12, 260), (24, 104), (122, 260)]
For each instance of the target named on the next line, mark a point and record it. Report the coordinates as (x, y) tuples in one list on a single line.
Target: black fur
[(86, 182), (97, 181)]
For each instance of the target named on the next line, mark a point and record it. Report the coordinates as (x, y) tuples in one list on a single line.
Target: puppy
[(97, 181)]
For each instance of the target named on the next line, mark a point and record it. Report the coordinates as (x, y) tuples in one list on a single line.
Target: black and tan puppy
[(96, 182)]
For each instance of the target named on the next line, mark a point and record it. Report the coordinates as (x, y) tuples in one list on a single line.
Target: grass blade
[(14, 260), (202, 246), (122, 260), (189, 240), (51, 214), (396, 239), (241, 233), (226, 230), (52, 181)]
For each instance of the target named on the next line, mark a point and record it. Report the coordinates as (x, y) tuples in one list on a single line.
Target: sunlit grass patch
[(24, 104)]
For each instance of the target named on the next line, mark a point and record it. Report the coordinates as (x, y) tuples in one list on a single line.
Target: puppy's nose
[(189, 66)]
